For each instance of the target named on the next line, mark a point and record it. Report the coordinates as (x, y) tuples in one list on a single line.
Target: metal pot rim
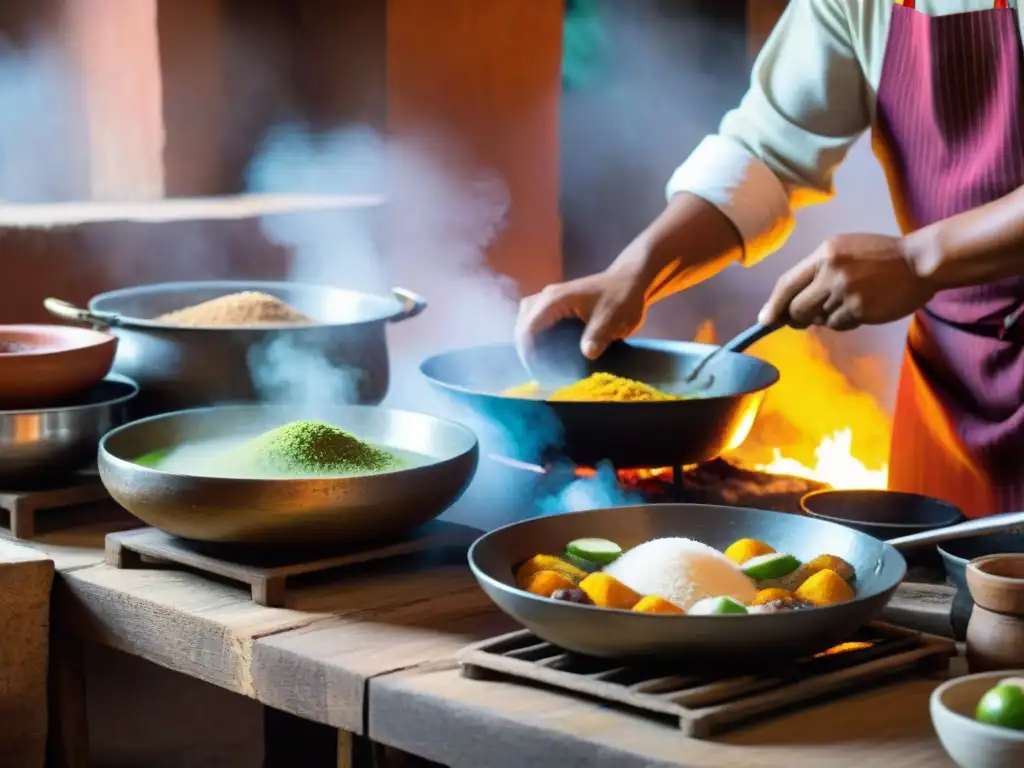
[(399, 306)]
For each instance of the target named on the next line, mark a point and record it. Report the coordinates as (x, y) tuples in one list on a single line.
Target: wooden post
[(488, 74), (115, 64), (26, 577)]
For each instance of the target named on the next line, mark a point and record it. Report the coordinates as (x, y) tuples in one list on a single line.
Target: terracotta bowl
[(44, 365), (995, 633), (969, 743)]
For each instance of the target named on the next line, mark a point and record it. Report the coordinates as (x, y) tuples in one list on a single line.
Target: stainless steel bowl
[(45, 444), (304, 511)]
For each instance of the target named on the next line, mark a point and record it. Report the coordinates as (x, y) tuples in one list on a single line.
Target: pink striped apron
[(949, 134)]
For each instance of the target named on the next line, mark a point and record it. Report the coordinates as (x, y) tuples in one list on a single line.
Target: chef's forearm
[(972, 248), (688, 243)]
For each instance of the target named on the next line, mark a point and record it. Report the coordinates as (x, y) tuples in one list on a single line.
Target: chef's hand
[(850, 280), (611, 303)]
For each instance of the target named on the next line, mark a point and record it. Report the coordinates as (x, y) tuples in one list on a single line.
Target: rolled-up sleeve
[(808, 102)]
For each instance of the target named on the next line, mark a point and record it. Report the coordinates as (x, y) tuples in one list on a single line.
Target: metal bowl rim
[(110, 377), (847, 522), (654, 345), (124, 464), (128, 321), (502, 587)]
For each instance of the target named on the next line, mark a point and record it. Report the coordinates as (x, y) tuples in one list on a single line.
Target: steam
[(37, 162), (597, 492)]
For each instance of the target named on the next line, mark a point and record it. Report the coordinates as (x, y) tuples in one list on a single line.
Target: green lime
[(717, 606), (1002, 706), (773, 566), (600, 551)]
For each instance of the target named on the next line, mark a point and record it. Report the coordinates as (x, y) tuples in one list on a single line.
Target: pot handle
[(994, 524), (67, 311), (412, 304)]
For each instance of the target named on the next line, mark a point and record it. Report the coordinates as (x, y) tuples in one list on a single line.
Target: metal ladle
[(739, 343)]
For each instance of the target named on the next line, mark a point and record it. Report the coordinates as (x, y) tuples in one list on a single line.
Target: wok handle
[(750, 337), (412, 304), (993, 524), (68, 311)]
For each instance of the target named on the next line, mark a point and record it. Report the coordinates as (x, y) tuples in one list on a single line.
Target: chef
[(938, 83)]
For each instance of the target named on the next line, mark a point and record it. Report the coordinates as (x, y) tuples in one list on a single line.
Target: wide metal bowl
[(46, 444), (312, 511), (732, 642)]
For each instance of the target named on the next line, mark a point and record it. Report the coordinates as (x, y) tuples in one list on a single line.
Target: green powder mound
[(305, 448)]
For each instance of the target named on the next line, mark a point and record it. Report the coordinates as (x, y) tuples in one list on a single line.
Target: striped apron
[(949, 134)]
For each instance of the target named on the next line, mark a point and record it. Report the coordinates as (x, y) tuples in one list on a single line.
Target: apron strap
[(913, 3)]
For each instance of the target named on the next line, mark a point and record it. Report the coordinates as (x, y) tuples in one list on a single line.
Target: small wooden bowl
[(995, 633), (972, 744), (43, 365)]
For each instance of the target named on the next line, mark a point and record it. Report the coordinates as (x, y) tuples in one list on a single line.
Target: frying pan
[(628, 434), (754, 641)]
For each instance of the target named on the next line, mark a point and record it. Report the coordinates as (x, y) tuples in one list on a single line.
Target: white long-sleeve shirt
[(812, 94)]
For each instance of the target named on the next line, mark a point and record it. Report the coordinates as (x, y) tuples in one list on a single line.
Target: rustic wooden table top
[(374, 656)]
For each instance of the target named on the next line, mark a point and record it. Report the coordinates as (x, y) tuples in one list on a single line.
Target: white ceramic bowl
[(972, 744)]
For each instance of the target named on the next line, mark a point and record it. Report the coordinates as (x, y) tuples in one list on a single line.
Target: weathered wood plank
[(178, 620), (26, 578), (438, 714), (320, 671)]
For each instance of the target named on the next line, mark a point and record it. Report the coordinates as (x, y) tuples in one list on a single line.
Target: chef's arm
[(975, 247), (733, 199)]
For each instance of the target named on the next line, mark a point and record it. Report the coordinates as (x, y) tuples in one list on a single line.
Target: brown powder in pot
[(237, 309)]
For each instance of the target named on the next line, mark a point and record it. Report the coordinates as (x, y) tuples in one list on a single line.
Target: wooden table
[(373, 659)]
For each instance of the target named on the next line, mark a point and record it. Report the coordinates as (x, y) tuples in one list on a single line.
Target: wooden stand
[(704, 706), (267, 572), (22, 506)]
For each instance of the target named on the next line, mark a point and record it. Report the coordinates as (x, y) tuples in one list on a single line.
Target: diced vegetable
[(655, 604), (608, 592), (774, 566), (717, 606), (600, 551), (745, 549)]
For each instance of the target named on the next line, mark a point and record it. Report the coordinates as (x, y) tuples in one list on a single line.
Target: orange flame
[(815, 423)]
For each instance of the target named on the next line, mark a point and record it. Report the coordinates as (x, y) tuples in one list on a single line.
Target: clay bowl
[(42, 365), (955, 556), (884, 515), (969, 743), (995, 633)]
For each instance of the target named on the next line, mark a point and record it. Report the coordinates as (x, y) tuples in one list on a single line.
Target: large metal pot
[(344, 358)]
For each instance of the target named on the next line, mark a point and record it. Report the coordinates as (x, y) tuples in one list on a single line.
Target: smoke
[(37, 162), (597, 492)]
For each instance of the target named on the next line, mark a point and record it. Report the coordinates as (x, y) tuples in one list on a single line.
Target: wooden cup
[(995, 633)]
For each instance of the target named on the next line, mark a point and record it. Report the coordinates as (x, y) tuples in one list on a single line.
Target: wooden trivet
[(22, 506), (704, 706), (267, 571)]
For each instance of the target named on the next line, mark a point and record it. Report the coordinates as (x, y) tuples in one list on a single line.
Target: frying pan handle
[(751, 336), (412, 304), (67, 311), (993, 524)]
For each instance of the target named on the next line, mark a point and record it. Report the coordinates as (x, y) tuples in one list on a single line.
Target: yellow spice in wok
[(825, 588), (602, 387), (598, 387)]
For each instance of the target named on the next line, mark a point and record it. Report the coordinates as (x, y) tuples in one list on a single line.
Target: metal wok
[(757, 640), (629, 434), (188, 367), (346, 510)]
